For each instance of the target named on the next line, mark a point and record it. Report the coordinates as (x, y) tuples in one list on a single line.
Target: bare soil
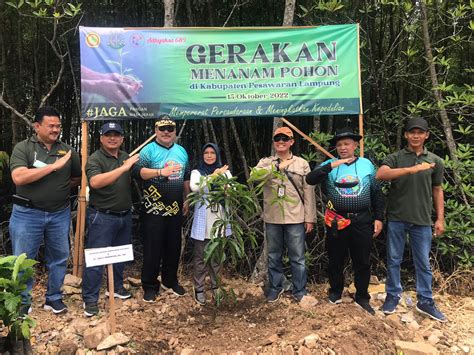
[(179, 325)]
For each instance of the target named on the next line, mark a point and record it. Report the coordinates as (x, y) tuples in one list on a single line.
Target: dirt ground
[(178, 325)]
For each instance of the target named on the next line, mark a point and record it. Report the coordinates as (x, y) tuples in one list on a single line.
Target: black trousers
[(356, 240), (161, 237)]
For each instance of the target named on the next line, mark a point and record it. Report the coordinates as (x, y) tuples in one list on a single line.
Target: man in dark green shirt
[(109, 213), (44, 169), (416, 176)]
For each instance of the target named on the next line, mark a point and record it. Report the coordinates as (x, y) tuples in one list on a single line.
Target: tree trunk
[(225, 140), (213, 132), (205, 130), (169, 13), (240, 149), (451, 143)]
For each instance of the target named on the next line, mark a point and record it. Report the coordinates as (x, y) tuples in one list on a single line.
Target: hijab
[(206, 169)]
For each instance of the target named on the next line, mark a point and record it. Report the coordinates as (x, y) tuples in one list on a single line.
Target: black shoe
[(91, 309), (365, 305), (335, 298), (149, 295), (25, 309), (56, 306), (275, 297), (178, 290), (123, 294)]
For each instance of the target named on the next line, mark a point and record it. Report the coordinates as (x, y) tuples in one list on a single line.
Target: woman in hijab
[(204, 217)]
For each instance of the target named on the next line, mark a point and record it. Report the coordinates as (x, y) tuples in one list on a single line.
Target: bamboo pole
[(136, 150), (78, 256), (361, 110), (309, 139)]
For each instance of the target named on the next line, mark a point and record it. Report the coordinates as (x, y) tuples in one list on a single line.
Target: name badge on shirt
[(39, 164), (281, 191)]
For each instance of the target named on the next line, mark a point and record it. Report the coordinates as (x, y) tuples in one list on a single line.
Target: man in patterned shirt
[(164, 169), (354, 214)]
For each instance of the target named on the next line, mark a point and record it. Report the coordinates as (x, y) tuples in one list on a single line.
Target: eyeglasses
[(166, 128), (281, 138)]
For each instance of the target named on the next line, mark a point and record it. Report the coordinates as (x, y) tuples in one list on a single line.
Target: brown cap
[(283, 130)]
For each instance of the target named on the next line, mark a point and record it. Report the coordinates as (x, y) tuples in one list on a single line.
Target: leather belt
[(112, 213)]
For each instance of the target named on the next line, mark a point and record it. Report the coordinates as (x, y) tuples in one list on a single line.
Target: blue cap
[(111, 126)]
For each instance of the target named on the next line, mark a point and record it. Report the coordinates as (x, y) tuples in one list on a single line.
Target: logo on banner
[(137, 40), (93, 40), (116, 41)]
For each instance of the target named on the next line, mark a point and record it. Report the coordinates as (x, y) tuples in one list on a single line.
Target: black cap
[(345, 132), (111, 126), (165, 120), (417, 122)]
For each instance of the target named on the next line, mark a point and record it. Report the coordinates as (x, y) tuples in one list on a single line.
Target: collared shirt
[(114, 197), (51, 192), (294, 211), (410, 196), (163, 196)]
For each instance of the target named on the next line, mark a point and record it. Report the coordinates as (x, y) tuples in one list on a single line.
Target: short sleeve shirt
[(50, 193), (114, 197), (163, 196), (410, 196)]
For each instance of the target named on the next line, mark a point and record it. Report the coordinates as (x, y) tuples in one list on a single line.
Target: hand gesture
[(286, 163), (59, 164), (127, 164), (221, 170), (422, 167), (338, 162), (171, 169), (378, 225), (438, 228)]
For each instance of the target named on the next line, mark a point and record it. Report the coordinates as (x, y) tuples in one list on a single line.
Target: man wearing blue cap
[(109, 213), (416, 176)]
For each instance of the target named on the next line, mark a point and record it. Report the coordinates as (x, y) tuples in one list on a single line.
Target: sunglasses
[(166, 128), (281, 138)]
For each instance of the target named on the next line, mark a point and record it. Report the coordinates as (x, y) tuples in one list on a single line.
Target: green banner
[(204, 73)]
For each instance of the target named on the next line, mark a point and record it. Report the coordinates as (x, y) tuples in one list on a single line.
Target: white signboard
[(109, 255)]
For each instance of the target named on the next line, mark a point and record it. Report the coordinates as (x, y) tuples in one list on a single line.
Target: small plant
[(238, 205), (14, 273)]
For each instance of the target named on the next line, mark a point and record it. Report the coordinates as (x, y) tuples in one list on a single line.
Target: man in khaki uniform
[(288, 218)]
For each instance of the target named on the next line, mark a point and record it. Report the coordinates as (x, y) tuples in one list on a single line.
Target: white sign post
[(109, 256)]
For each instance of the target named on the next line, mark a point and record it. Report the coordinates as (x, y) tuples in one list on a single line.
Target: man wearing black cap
[(109, 213), (354, 214), (164, 167), (416, 176)]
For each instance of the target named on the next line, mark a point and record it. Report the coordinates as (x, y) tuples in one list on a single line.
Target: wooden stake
[(78, 256), (307, 138), (110, 278)]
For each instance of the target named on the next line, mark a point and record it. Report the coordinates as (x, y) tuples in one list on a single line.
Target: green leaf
[(7, 259), (12, 302), (17, 266), (25, 330)]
